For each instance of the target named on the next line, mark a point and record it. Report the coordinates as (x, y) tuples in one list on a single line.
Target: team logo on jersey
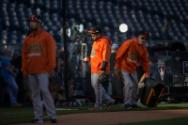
[(133, 57), (35, 49)]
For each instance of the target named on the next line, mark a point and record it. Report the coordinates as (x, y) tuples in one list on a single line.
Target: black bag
[(151, 95)]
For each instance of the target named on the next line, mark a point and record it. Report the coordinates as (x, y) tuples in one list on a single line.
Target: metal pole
[(64, 12)]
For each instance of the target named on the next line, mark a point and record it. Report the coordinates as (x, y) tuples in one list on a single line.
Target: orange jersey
[(38, 53), (101, 50), (130, 55)]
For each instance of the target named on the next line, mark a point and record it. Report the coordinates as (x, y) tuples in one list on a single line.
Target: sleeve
[(51, 52), (24, 58), (106, 50), (120, 53)]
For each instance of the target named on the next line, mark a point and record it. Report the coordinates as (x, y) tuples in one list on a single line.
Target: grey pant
[(100, 92), (130, 88), (38, 85)]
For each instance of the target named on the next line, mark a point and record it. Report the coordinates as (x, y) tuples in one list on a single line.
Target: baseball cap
[(34, 18), (93, 30), (144, 33)]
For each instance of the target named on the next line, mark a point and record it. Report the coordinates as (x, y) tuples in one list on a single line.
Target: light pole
[(64, 15)]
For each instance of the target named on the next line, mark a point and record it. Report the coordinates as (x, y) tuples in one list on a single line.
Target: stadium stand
[(165, 19)]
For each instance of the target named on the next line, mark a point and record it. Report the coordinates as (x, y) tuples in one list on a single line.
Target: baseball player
[(100, 66), (130, 55), (38, 62)]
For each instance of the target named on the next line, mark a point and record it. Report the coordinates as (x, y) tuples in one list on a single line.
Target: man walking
[(38, 62), (100, 66)]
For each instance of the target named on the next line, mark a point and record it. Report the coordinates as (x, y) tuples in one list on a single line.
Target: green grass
[(173, 105), (15, 115), (21, 115), (176, 121)]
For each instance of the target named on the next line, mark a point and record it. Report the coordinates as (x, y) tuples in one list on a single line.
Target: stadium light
[(123, 27), (4, 42), (5, 46), (81, 28)]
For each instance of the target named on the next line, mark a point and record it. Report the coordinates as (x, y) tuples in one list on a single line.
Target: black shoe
[(53, 120), (110, 103), (37, 121), (128, 107), (134, 106)]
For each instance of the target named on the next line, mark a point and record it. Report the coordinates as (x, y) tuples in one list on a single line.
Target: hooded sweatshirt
[(38, 53), (101, 50), (132, 54)]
